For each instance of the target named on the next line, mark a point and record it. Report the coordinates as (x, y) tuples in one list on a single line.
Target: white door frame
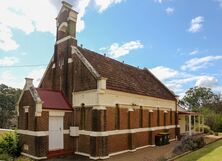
[(56, 136)]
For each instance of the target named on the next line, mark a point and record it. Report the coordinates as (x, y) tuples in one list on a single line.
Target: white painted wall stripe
[(125, 131), (98, 133), (31, 156), (38, 133), (64, 39)]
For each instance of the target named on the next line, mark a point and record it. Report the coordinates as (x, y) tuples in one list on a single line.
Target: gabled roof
[(126, 78), (53, 99)]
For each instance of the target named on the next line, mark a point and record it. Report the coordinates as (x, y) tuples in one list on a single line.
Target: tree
[(198, 97), (8, 99)]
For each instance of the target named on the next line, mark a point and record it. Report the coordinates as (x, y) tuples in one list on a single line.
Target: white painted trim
[(85, 62), (172, 140), (110, 98), (66, 131), (32, 156), (125, 131), (56, 113), (65, 24), (26, 108), (53, 65), (48, 110), (99, 133), (33, 133), (64, 39), (37, 133), (70, 60)]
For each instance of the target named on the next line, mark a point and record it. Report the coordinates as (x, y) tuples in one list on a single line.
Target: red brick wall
[(26, 100), (47, 80), (42, 123), (84, 144), (38, 146), (117, 143), (83, 79), (68, 120), (140, 139), (134, 119), (145, 118), (154, 118), (161, 117), (123, 118), (110, 116)]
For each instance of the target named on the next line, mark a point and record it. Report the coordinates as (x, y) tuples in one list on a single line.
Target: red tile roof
[(53, 99), (126, 78)]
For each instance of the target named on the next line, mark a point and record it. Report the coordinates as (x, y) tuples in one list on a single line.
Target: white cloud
[(17, 81), (169, 10), (104, 4), (6, 41), (196, 24), (198, 63), (207, 81), (116, 50), (36, 74), (28, 15), (164, 73), (179, 82), (159, 1), (220, 2), (81, 6), (194, 52), (9, 79), (8, 61)]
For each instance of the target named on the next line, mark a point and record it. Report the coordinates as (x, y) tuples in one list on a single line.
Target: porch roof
[(53, 99)]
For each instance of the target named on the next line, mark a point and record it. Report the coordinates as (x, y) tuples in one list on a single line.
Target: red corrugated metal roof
[(53, 99)]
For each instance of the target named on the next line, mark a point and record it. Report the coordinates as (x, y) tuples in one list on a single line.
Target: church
[(91, 105)]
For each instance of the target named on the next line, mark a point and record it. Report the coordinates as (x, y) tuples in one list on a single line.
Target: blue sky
[(178, 40)]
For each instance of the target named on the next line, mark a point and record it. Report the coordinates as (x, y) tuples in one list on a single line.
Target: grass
[(211, 152)]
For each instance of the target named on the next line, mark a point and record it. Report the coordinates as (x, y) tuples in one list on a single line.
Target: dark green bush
[(9, 144)]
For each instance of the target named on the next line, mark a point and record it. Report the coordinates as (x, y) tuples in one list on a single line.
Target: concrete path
[(146, 154)]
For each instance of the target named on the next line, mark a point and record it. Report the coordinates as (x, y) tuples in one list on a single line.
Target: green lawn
[(212, 152)]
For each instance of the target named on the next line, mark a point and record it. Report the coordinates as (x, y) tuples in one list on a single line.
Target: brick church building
[(91, 105)]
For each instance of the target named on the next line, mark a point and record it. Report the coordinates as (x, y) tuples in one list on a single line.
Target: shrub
[(207, 129), (189, 143), (9, 144), (5, 157)]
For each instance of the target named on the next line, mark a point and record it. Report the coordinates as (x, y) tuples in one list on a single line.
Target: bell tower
[(66, 22), (65, 38)]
